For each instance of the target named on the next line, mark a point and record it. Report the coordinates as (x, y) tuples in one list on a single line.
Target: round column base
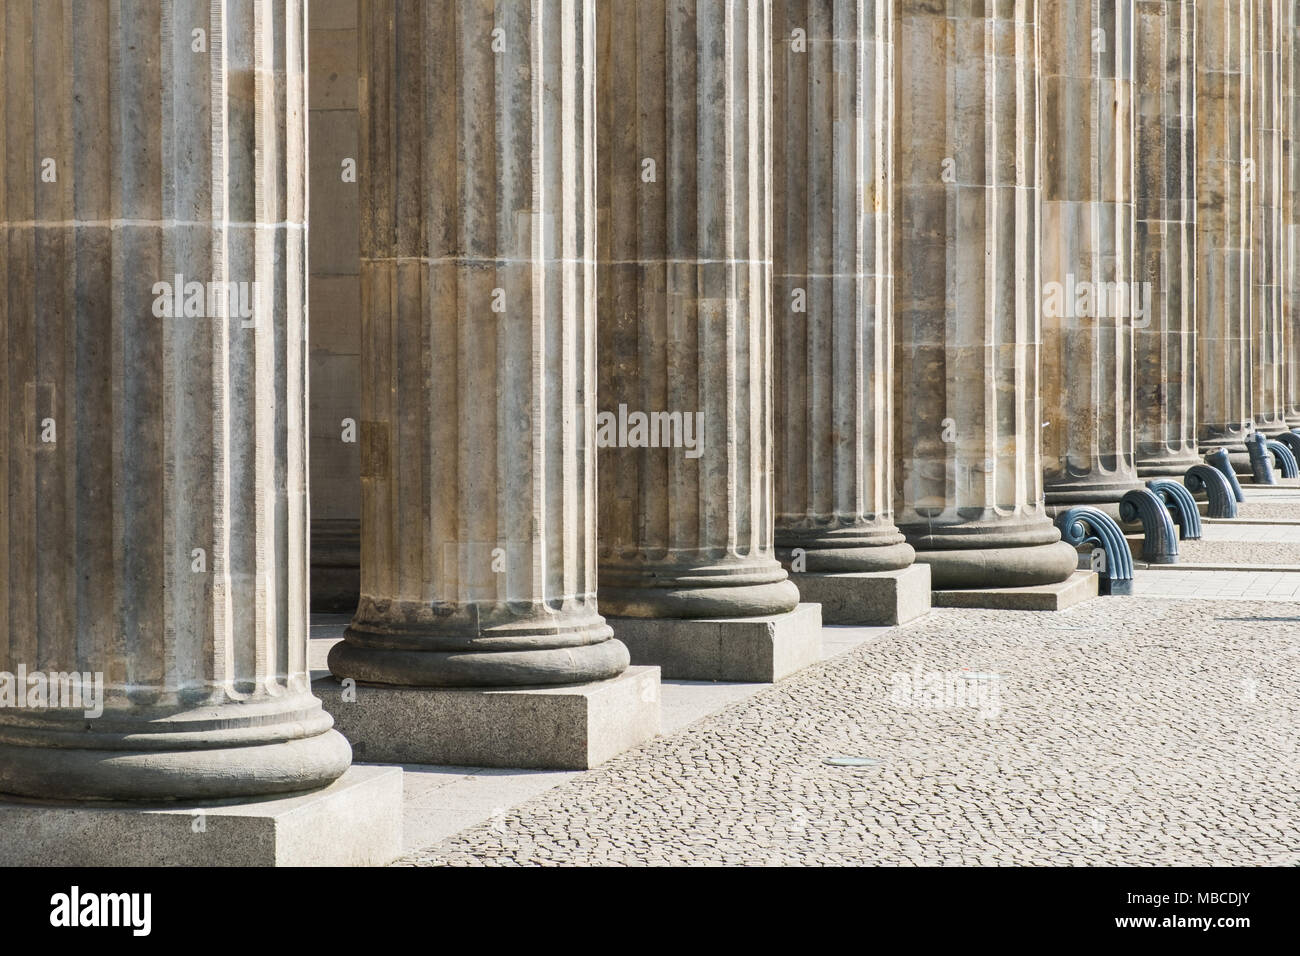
[(991, 554), (747, 590), (1000, 567), (1173, 467), (847, 550), (852, 560), (473, 646), (1100, 494), (209, 754), (1272, 425)]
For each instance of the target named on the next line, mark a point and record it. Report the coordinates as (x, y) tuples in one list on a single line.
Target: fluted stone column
[(478, 357), (477, 522), (686, 530), (1267, 342), (1086, 82), (1164, 187), (832, 135), (1223, 226), (1291, 210), (967, 298), (152, 309)]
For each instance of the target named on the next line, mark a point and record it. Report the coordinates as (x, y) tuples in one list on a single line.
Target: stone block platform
[(763, 649)]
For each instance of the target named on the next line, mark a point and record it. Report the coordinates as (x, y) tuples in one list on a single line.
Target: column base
[(1079, 587), (1166, 467), (1104, 495), (408, 644), (568, 727), (868, 598), (1272, 426), (229, 751), (758, 649), (844, 549), (1015, 567), (718, 591), (355, 821)]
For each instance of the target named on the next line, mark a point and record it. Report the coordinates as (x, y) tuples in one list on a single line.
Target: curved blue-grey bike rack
[(1181, 505), (1219, 459), (1292, 441), (1261, 460), (1284, 457), (1223, 504), (1159, 540), (1085, 524)]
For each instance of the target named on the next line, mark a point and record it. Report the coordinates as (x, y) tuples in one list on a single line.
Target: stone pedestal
[(1164, 195), (833, 125), (478, 518), (570, 727), (154, 472), (759, 648), (355, 821), (1224, 124), (859, 597), (685, 315), (1086, 82), (966, 273), (1079, 587)]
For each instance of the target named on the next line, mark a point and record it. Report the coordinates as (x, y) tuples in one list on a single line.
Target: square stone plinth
[(355, 821), (1077, 588), (571, 727), (759, 649), (879, 598)]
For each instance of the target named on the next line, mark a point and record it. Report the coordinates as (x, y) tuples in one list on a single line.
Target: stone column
[(152, 308), (1086, 82), (832, 136), (966, 278), (478, 367), (1164, 187), (1267, 358), (686, 513), (1223, 227), (1291, 210)]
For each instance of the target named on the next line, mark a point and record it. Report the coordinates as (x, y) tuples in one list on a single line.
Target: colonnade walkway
[(1165, 734), (1157, 728)]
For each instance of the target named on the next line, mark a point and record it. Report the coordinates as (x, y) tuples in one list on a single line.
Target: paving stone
[(1111, 739)]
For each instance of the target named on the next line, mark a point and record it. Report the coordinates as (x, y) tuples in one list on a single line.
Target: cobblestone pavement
[(1122, 731)]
